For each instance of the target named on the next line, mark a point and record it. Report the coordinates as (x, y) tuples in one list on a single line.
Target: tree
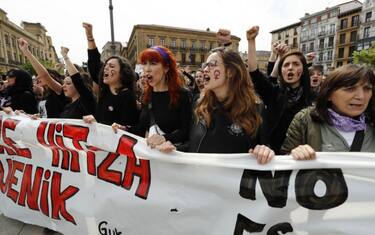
[(366, 57), (29, 68)]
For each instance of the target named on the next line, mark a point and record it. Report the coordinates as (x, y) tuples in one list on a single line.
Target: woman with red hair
[(166, 112)]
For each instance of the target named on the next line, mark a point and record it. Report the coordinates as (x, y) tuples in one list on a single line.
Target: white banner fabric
[(81, 178)]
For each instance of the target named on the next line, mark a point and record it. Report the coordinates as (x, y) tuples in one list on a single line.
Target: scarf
[(294, 94), (347, 124)]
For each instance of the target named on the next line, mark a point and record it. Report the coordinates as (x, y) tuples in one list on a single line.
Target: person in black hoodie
[(20, 91), (284, 99)]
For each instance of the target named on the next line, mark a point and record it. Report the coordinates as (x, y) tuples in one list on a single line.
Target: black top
[(278, 113), (223, 136), (23, 100), (173, 121), (55, 104), (84, 105), (94, 64), (120, 108)]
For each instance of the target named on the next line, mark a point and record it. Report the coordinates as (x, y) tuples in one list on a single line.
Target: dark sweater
[(173, 121), (84, 105), (120, 108)]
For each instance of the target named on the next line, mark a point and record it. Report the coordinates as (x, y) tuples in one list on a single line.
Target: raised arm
[(89, 36), (251, 34), (223, 37), (42, 72), (68, 64), (94, 63), (281, 49)]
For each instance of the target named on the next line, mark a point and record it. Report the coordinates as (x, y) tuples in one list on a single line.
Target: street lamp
[(113, 47)]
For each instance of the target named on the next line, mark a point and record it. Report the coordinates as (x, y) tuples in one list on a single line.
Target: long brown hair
[(240, 103)]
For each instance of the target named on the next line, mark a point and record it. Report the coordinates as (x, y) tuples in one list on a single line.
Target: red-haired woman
[(166, 113)]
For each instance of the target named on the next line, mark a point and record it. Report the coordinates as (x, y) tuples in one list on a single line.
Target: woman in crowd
[(115, 78), (166, 114), (82, 101), (316, 78), (226, 116), (20, 91), (284, 99), (49, 81), (342, 119)]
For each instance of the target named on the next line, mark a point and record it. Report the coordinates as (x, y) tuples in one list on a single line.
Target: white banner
[(84, 179)]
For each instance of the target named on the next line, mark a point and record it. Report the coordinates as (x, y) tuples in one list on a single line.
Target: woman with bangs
[(115, 78), (166, 111), (226, 116), (342, 119)]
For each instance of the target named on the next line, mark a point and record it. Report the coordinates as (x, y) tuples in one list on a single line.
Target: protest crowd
[(227, 106)]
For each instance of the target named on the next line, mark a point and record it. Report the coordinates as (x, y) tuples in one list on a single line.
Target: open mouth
[(206, 78), (148, 77), (290, 75)]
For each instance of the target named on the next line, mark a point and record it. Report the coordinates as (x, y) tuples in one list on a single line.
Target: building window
[(332, 29), (341, 53), (202, 59), (287, 34), (287, 42), (320, 56), (366, 32), (173, 43), (353, 36), (329, 55), (351, 50), (368, 16), (211, 45), (192, 44), (321, 43), (203, 45), (311, 48), (343, 23), (330, 42), (183, 44), (342, 38), (303, 48), (339, 64), (183, 58), (355, 21), (7, 42), (295, 31), (162, 41), (279, 36), (192, 58), (295, 44), (151, 42)]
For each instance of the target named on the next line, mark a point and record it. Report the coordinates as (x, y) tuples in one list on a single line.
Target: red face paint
[(216, 74)]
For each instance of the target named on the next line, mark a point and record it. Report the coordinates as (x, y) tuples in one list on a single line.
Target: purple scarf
[(347, 124)]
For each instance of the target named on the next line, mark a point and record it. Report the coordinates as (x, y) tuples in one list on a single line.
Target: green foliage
[(29, 68), (366, 57)]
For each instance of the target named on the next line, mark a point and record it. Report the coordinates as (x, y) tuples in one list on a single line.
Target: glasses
[(210, 64)]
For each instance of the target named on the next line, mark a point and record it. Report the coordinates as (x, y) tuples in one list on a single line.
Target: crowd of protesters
[(227, 106)]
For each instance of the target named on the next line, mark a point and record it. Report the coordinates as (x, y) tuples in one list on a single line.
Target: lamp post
[(113, 47)]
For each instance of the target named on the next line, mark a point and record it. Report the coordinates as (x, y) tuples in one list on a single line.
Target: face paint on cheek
[(216, 74), (299, 72), (112, 72)]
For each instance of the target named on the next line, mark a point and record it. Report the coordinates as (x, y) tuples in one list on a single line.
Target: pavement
[(10, 226)]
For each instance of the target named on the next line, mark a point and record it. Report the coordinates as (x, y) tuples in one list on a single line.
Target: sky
[(63, 19)]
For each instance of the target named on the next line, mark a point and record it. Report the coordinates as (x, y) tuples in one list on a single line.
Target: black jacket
[(223, 136), (278, 114)]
